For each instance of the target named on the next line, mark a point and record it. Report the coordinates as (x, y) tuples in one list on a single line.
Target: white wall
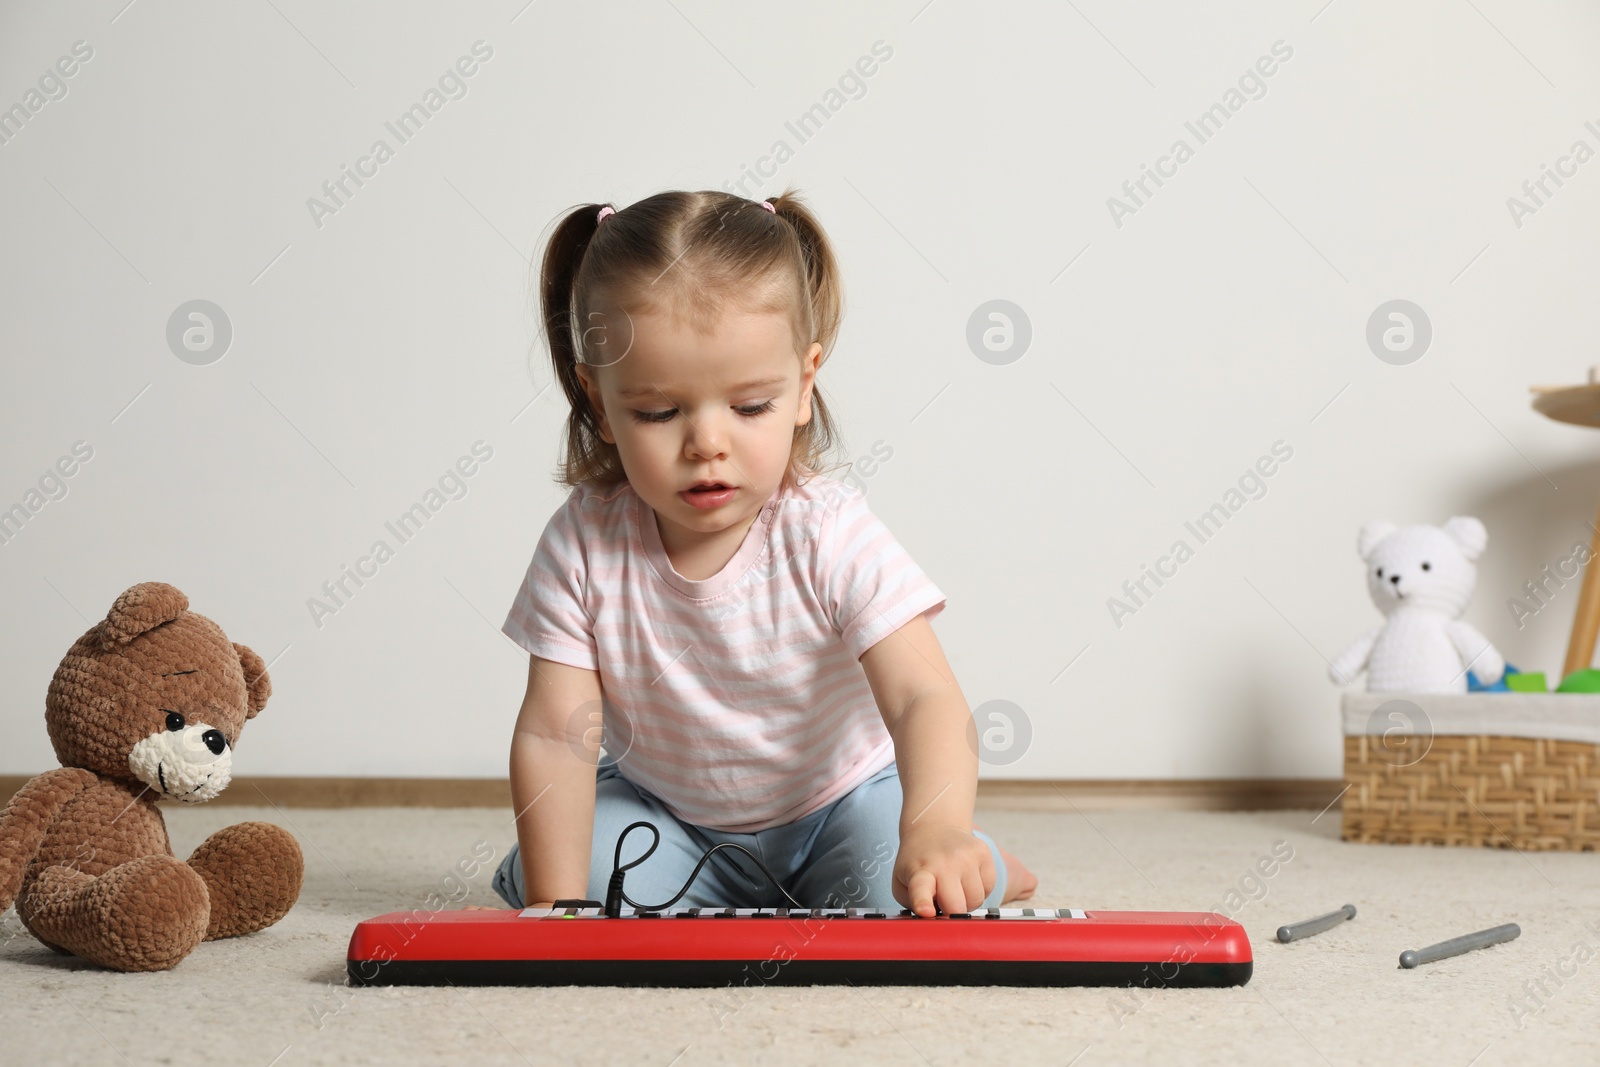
[(1224, 315)]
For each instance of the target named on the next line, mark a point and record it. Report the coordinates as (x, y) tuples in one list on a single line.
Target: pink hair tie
[(769, 207), (607, 210)]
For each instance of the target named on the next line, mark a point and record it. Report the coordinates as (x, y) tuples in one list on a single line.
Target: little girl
[(753, 641)]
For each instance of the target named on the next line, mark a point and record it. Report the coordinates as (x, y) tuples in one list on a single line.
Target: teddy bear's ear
[(140, 608), (255, 679), (1372, 532), (1469, 533)]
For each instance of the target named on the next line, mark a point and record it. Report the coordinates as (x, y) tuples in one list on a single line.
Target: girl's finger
[(973, 884), (952, 897), (921, 891)]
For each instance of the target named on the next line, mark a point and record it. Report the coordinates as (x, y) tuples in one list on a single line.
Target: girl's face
[(684, 407)]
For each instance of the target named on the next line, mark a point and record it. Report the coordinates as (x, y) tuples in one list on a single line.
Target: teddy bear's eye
[(174, 721), (1380, 572), (1425, 566)]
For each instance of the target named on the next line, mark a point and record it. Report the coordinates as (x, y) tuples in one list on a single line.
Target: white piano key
[(831, 913)]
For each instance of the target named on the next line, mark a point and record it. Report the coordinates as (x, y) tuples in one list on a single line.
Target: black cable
[(615, 896)]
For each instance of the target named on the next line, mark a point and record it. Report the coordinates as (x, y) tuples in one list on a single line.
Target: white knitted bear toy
[(1421, 578)]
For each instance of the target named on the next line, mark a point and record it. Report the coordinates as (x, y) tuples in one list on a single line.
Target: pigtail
[(816, 441), (558, 273), (824, 291)]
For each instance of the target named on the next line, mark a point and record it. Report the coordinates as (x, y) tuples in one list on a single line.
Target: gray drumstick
[(1457, 945), (1315, 926)]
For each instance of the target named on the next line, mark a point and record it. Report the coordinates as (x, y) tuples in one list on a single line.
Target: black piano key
[(877, 915), (725, 913)]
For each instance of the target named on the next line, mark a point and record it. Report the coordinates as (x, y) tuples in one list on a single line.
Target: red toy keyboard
[(825, 946)]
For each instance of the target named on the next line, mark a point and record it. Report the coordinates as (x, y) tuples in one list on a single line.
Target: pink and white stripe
[(740, 696)]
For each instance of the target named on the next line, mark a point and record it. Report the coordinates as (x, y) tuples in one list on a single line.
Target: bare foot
[(1020, 882)]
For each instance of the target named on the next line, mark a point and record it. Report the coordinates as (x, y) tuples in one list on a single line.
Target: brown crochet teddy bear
[(147, 705)]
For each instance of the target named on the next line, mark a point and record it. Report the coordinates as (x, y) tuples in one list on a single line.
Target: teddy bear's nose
[(1394, 578), (214, 741)]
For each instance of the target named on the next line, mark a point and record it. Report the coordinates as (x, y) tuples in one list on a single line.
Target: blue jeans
[(840, 856)]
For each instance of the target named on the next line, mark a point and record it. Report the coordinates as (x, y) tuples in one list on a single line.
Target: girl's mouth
[(706, 498)]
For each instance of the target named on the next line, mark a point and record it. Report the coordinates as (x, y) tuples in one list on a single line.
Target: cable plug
[(613, 904)]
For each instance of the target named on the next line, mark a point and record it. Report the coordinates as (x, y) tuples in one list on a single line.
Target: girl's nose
[(706, 439)]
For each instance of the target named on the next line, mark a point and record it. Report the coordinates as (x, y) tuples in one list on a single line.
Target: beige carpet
[(278, 997)]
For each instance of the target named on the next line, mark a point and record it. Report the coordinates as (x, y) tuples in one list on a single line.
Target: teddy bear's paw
[(143, 915), (156, 911), (253, 871), (47, 892)]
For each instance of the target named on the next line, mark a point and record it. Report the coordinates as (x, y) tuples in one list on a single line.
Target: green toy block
[(1530, 682), (1584, 681)]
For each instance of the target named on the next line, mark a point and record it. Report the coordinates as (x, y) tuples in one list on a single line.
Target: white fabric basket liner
[(1553, 716)]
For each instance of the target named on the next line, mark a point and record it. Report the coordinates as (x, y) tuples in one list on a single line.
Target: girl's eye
[(748, 410)]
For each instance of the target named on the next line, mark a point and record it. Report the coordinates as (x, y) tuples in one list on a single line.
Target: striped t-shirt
[(737, 699)]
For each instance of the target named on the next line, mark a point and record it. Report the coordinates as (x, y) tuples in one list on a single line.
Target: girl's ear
[(591, 389), (808, 377)]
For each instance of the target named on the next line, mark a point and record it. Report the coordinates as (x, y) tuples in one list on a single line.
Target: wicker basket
[(1512, 770)]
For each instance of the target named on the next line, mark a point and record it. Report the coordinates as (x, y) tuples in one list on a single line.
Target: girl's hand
[(944, 866)]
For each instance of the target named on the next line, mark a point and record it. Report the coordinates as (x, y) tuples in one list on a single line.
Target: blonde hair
[(690, 255)]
